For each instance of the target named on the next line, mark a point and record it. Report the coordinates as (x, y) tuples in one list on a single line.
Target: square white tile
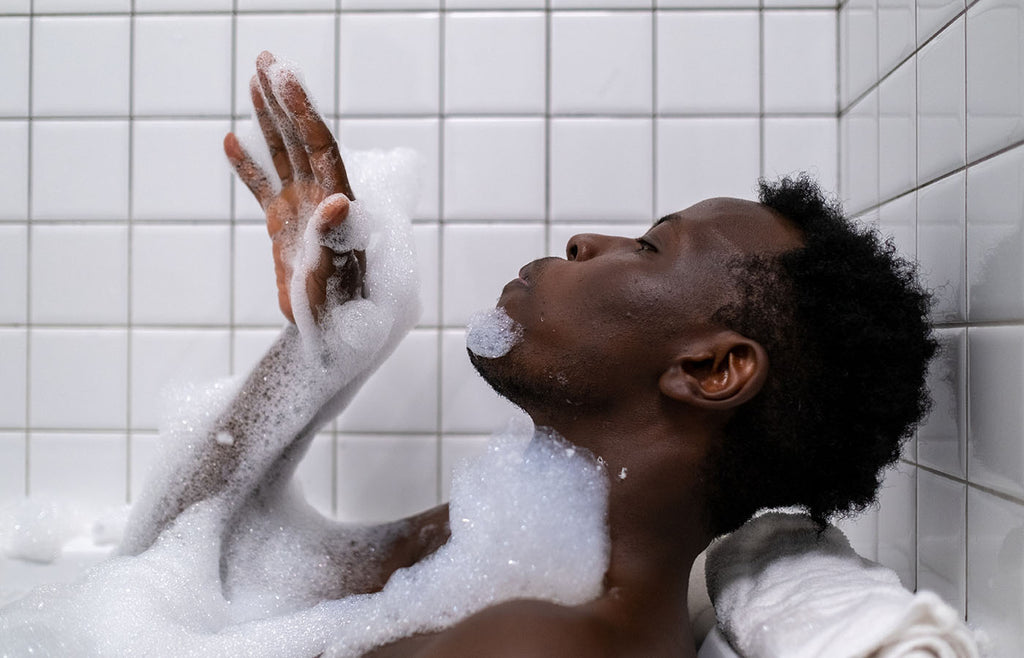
[(495, 62), (389, 63), (799, 61), (601, 169), (181, 274), (942, 437), (897, 132), (701, 158), (942, 538), (897, 219), (18, 7), (421, 135), (494, 169), (995, 76), (78, 378), (255, 283), (12, 467), (708, 62), (382, 478), (88, 469), (80, 66), (13, 386), (995, 571), (249, 346), (995, 249), (306, 39), (468, 403), (456, 452), (858, 52), (995, 388), (941, 245), (933, 15), (179, 170), (479, 259), (428, 254), (897, 33), (79, 274), (165, 359), (601, 62), (14, 273), (859, 146), (897, 511), (941, 119), (80, 170), (402, 396), (315, 474), (13, 172), (14, 46), (798, 144), (182, 65)]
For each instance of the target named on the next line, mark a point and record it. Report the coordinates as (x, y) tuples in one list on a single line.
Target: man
[(739, 355)]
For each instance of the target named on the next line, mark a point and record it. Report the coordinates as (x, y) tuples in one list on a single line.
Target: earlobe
[(720, 372)]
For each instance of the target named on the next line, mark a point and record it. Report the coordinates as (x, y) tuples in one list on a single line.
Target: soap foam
[(491, 333), (527, 521)]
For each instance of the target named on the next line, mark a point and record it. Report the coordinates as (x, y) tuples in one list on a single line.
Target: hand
[(314, 187)]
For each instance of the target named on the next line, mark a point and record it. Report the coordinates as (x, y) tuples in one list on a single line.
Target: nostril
[(571, 251)]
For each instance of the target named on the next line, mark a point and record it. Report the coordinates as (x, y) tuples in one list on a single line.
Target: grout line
[(760, 89), (128, 493), (547, 126), (232, 197), (28, 251), (654, 112), (335, 116), (335, 451), (441, 222)]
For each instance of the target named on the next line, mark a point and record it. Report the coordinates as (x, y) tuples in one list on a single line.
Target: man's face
[(601, 325)]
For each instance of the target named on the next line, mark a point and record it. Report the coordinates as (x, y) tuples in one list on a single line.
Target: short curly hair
[(845, 323)]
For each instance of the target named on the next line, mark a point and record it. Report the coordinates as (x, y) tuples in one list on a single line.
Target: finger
[(248, 171), (332, 212), (297, 157), (320, 145), (271, 136)]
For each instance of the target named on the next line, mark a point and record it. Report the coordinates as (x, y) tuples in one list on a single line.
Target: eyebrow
[(659, 222)]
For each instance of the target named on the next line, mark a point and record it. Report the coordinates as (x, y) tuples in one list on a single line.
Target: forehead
[(743, 225)]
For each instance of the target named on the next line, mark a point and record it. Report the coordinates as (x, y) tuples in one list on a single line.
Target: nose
[(585, 246)]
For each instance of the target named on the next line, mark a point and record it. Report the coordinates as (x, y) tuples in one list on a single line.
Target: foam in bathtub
[(527, 519), (491, 333)]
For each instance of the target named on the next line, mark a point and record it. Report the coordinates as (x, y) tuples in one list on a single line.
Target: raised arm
[(306, 377)]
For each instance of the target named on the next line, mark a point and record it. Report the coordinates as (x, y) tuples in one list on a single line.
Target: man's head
[(797, 341)]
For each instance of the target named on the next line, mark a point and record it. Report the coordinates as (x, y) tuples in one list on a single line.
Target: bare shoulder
[(520, 628)]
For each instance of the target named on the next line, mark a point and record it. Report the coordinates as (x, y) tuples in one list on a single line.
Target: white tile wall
[(966, 232)]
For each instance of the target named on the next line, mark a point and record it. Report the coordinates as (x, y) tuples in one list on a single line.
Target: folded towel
[(783, 588)]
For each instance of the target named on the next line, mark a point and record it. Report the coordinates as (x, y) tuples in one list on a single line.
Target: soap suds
[(491, 333)]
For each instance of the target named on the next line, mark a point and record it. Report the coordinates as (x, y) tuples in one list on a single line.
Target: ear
[(719, 371)]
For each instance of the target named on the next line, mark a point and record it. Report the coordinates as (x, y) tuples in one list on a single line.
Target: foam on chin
[(491, 333)]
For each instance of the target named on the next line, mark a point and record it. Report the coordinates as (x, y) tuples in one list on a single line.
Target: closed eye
[(644, 245)]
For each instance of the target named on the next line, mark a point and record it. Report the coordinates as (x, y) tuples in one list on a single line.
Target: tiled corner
[(897, 33), (897, 132), (79, 274), (382, 478), (601, 62), (995, 388), (494, 169), (306, 39), (600, 169), (859, 144), (708, 62), (182, 65), (800, 61), (13, 171), (389, 63), (479, 260), (80, 65), (179, 170), (77, 378), (80, 170), (495, 62), (941, 245), (940, 104), (995, 570), (933, 15), (942, 437), (942, 538), (701, 158), (858, 55), (181, 274)]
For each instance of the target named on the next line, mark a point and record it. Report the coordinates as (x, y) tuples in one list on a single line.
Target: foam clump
[(37, 529), (527, 521), (491, 333)]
